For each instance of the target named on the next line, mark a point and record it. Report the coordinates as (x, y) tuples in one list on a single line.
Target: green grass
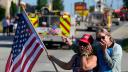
[(125, 45)]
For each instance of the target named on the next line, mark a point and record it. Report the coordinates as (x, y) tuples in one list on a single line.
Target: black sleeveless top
[(76, 65)]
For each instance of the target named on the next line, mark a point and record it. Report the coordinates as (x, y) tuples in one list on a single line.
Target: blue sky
[(69, 4)]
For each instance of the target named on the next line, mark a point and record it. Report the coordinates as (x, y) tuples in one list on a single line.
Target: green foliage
[(2, 13), (40, 4), (13, 9), (115, 15), (58, 5), (91, 8), (125, 44), (125, 3)]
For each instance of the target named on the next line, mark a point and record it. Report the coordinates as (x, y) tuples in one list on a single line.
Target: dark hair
[(91, 39)]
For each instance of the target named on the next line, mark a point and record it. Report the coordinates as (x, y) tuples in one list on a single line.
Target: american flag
[(26, 47)]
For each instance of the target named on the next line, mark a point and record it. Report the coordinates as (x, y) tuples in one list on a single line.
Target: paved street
[(119, 34), (44, 65)]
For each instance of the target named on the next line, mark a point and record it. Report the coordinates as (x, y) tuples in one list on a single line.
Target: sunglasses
[(83, 44), (99, 38)]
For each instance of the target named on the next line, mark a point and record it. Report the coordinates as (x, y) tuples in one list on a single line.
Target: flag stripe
[(19, 62), (28, 52), (19, 56), (34, 61), (26, 55), (32, 58), (30, 55), (25, 45), (8, 65)]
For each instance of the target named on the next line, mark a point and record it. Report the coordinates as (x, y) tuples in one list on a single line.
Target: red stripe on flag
[(64, 27), (20, 60), (8, 64), (34, 61), (30, 55)]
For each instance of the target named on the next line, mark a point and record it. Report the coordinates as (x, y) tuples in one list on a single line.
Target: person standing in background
[(6, 22), (12, 21)]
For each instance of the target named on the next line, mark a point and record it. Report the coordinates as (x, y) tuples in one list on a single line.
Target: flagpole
[(33, 30)]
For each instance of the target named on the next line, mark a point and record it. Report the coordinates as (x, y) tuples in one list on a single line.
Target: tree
[(2, 13), (125, 3), (40, 4), (13, 9), (91, 9), (58, 5)]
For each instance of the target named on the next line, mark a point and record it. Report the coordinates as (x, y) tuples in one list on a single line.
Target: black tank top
[(76, 65)]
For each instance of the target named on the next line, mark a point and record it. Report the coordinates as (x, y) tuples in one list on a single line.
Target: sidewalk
[(120, 34), (6, 41)]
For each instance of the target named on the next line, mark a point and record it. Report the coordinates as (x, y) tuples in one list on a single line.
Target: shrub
[(125, 44), (2, 13)]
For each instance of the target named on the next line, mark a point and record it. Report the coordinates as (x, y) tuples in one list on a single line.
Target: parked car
[(115, 19)]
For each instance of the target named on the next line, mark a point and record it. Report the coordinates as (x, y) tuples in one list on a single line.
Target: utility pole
[(100, 5), (83, 11), (111, 4), (50, 5), (50, 9)]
